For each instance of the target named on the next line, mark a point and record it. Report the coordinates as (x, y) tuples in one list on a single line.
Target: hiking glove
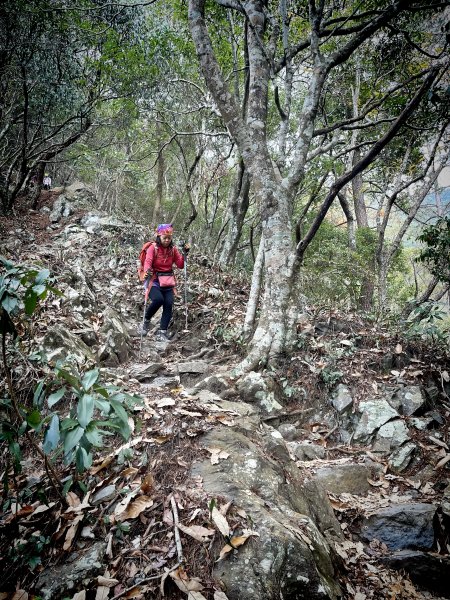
[(147, 275)]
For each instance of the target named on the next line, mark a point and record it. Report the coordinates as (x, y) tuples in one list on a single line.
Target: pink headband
[(165, 229)]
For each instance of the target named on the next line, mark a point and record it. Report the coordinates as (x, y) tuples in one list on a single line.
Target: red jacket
[(164, 260)]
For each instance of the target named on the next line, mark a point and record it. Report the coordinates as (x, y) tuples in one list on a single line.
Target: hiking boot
[(145, 327), (162, 336)]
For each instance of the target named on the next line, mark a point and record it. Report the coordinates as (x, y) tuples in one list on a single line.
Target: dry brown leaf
[(80, 595), (43, 508), (73, 499), (20, 595), (219, 595), (148, 483), (224, 508), (125, 502), (442, 462), (217, 454), (199, 533), (107, 581), (165, 402), (220, 522), (135, 508), (438, 442), (225, 550), (195, 596), (127, 473), (102, 593), (72, 531), (184, 583), (398, 349)]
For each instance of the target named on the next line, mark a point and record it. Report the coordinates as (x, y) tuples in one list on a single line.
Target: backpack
[(142, 255)]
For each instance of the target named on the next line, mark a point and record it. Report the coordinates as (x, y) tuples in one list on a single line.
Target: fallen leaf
[(219, 595), (125, 502), (346, 343), (72, 531), (217, 454), (195, 596), (80, 595), (20, 595), (199, 533), (442, 462), (148, 483), (165, 402), (107, 581), (102, 593), (220, 522), (135, 508), (43, 508), (184, 583), (445, 376), (398, 350), (72, 499)]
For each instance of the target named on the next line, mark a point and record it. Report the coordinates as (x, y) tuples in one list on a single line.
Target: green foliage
[(29, 552), (428, 322), (96, 409), (436, 254)]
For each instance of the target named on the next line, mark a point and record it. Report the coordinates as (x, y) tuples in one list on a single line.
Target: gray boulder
[(60, 344), (374, 414), (408, 400), (402, 526), (426, 569), (59, 581), (291, 558), (256, 389)]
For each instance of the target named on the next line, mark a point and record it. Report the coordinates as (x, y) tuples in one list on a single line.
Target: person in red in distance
[(158, 267)]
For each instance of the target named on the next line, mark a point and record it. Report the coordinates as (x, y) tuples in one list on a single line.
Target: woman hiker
[(158, 267)]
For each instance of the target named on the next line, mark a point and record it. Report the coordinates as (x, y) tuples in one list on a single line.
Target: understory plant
[(71, 411)]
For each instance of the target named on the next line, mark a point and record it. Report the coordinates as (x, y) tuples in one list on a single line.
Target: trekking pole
[(185, 292), (143, 319)]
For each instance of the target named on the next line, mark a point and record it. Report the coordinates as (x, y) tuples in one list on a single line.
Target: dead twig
[(177, 531)]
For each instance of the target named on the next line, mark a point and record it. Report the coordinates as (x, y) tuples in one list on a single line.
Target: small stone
[(400, 459), (342, 399)]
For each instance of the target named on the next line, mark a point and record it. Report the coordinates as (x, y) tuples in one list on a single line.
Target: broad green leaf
[(71, 379), (103, 405), (72, 438), (89, 379), (55, 397), (30, 301), (42, 276), (34, 419), (68, 424), (51, 438), (120, 411), (101, 390), (83, 459), (10, 303), (85, 410), (67, 486), (38, 395), (94, 436), (39, 289)]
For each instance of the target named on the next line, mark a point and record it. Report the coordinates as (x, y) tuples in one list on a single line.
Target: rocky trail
[(326, 477)]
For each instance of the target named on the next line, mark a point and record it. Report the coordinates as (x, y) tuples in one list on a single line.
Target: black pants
[(161, 297)]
